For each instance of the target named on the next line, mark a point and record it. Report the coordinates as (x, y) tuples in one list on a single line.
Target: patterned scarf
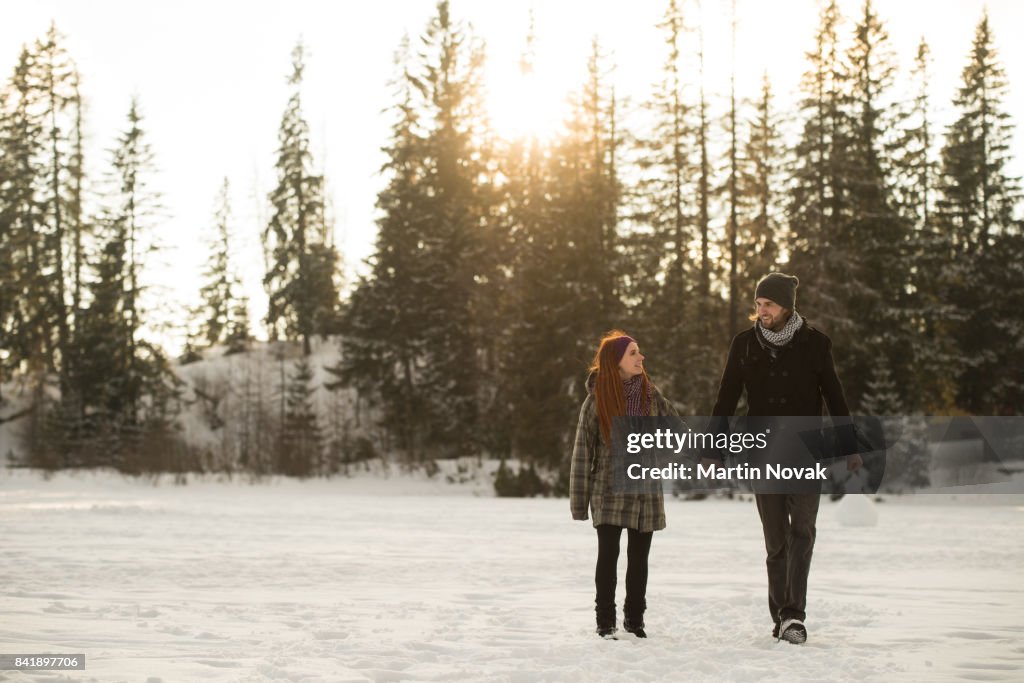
[(635, 403), (773, 341)]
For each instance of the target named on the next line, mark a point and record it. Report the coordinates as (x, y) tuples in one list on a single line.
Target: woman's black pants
[(636, 574)]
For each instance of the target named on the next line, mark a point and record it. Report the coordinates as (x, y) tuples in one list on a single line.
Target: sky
[(210, 78)]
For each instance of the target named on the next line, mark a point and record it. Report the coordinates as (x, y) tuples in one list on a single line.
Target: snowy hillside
[(219, 388)]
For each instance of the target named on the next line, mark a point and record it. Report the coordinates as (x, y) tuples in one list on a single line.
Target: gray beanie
[(778, 287)]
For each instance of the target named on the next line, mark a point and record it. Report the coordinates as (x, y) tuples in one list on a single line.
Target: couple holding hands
[(786, 368)]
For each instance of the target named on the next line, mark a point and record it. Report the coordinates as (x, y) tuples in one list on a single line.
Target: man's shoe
[(606, 632), (793, 631), (636, 629)]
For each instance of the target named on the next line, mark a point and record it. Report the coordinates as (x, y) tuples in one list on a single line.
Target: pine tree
[(300, 447), (704, 197), (521, 163), (882, 397), (54, 78), (131, 212), (976, 210), (256, 438), (41, 110), (760, 188), (597, 105), (80, 226), (418, 331), (732, 189), (294, 239), (130, 395), (708, 326), (583, 194), (537, 307), (338, 449), (239, 331), (876, 237), (8, 288), (665, 216), (47, 173), (933, 356), (565, 270), (216, 293), (915, 168), (899, 439), (37, 223), (24, 308), (848, 243), (817, 206), (382, 342), (103, 364), (977, 195), (461, 245)]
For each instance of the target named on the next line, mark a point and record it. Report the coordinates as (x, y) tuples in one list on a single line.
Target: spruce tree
[(931, 386), (39, 223), (976, 209), (761, 194), (8, 288), (300, 447), (25, 306), (565, 270), (423, 322), (103, 365), (216, 293), (54, 78), (294, 239), (978, 196), (732, 249), (382, 344), (665, 213), (239, 333), (912, 152), (703, 195), (817, 201), (130, 395), (460, 245), (876, 238)]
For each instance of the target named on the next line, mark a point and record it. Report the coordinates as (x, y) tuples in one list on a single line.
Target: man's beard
[(776, 323)]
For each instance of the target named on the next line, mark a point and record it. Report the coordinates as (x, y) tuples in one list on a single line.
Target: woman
[(617, 385)]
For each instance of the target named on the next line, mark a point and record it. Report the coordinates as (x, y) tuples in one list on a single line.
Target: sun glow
[(522, 105), (527, 93)]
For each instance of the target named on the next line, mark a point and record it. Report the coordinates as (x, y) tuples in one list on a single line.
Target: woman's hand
[(854, 462)]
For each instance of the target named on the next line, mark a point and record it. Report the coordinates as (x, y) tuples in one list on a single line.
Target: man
[(786, 367)]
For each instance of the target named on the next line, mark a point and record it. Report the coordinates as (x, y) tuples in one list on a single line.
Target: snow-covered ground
[(345, 580)]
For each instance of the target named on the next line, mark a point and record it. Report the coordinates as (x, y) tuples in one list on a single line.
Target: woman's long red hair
[(609, 393)]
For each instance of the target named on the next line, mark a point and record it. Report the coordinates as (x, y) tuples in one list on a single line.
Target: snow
[(331, 580), (856, 510)]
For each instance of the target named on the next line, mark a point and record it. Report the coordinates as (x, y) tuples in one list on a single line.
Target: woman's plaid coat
[(590, 476)]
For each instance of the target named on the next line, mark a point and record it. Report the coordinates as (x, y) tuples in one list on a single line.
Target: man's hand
[(854, 462), (710, 462)]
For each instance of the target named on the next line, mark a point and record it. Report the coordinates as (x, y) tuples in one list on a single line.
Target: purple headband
[(621, 344)]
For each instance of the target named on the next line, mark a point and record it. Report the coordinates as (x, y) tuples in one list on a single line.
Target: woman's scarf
[(636, 403)]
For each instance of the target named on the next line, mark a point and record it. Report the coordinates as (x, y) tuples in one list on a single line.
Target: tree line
[(499, 262)]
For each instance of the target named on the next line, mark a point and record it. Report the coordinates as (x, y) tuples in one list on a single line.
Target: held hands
[(710, 462), (854, 462)]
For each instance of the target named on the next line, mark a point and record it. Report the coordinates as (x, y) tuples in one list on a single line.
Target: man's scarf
[(773, 341)]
